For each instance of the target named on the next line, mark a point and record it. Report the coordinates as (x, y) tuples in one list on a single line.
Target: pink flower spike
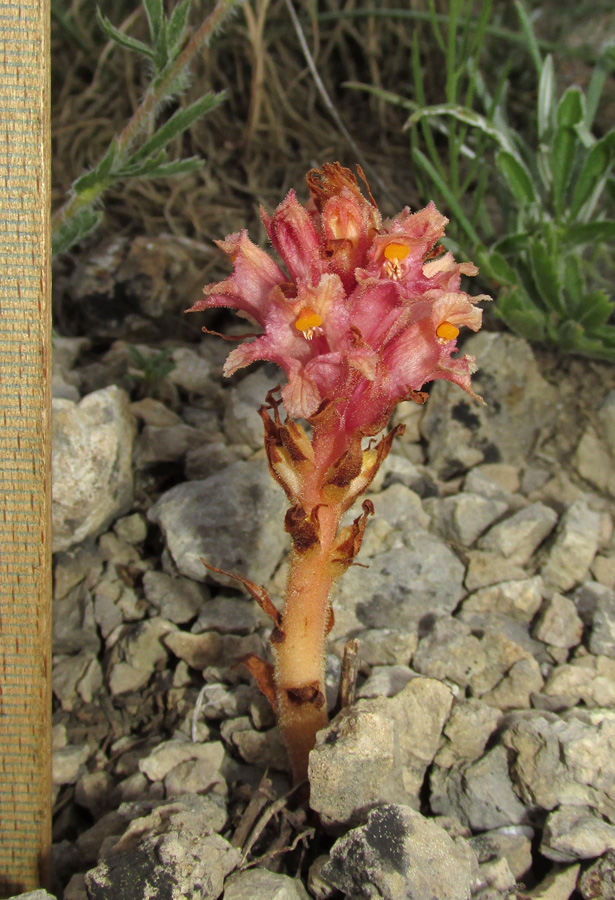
[(249, 288), (293, 235), (366, 313), (372, 310)]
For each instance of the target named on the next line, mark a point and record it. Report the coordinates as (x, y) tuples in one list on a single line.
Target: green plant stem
[(158, 90)]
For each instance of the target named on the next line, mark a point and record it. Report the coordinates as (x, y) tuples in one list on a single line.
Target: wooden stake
[(25, 472)]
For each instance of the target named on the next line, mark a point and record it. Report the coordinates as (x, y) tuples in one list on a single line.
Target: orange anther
[(447, 332), (308, 319), (396, 251)]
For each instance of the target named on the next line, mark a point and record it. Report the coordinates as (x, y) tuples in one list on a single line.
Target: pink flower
[(365, 313)]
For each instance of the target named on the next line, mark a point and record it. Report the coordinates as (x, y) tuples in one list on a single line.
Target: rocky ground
[(479, 756)]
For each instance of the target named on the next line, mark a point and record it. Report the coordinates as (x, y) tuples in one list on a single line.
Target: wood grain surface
[(25, 471)]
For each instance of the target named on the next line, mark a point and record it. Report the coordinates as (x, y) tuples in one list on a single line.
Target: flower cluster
[(366, 311)]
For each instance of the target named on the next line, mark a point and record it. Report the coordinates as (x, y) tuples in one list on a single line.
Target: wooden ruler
[(25, 369)]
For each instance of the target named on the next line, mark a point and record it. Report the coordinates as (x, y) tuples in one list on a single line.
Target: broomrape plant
[(364, 314)]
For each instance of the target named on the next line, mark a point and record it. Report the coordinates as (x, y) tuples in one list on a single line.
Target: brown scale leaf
[(262, 672), (256, 591), (303, 529)]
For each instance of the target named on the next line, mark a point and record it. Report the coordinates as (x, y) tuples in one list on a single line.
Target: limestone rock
[(602, 634), (519, 600), (177, 599), (479, 793), (417, 581), (137, 654), (559, 623), (169, 754), (171, 853), (450, 652), (376, 751), (399, 854), (260, 884), (517, 537), (576, 544), (576, 832), (92, 464), (385, 681), (469, 727), (242, 423), (598, 882), (513, 843), (588, 679), (462, 434), (463, 517), (233, 520), (568, 760), (559, 884)]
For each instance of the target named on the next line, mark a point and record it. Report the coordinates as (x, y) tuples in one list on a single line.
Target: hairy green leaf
[(177, 167), (595, 167), (76, 229), (530, 37), (177, 124), (590, 232), (469, 117), (154, 11), (563, 153), (124, 40), (571, 108), (545, 276), (595, 310), (546, 98), (521, 315), (517, 177), (512, 243), (176, 29), (497, 268)]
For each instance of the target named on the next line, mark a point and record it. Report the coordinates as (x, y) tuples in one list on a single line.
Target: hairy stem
[(300, 653)]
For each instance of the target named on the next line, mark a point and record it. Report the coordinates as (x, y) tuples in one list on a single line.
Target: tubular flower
[(366, 311)]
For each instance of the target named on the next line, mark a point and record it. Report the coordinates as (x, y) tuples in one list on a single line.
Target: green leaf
[(387, 96), (469, 117), (517, 177), (154, 11), (161, 54), (178, 167), (122, 39), (100, 174), (571, 108), (530, 37), (563, 153), (574, 282), (569, 334), (590, 232), (496, 267), (515, 308), (595, 310), (460, 217), (595, 167), (603, 68), (142, 166), (546, 98), (176, 29), (545, 276), (595, 348), (512, 243), (75, 229), (605, 333), (177, 124)]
